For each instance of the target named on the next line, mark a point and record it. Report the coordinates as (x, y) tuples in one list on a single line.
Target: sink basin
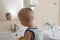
[(6, 36), (11, 35), (52, 35), (18, 34)]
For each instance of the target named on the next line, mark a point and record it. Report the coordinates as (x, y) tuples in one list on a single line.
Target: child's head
[(8, 16), (26, 16)]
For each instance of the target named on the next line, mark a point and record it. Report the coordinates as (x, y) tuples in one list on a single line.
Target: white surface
[(11, 6), (48, 35), (6, 36), (11, 35)]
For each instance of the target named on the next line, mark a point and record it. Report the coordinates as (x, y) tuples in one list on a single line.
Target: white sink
[(49, 34), (18, 34), (12, 35), (6, 36)]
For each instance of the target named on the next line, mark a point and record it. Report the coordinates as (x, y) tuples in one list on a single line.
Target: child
[(26, 17)]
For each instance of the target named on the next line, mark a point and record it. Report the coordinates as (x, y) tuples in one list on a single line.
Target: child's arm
[(28, 36)]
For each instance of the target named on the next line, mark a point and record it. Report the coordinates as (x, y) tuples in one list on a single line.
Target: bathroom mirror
[(9, 9)]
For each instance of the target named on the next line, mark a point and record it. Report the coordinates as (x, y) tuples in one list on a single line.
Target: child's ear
[(25, 21)]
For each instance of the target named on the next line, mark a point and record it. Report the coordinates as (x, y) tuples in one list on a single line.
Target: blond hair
[(26, 13)]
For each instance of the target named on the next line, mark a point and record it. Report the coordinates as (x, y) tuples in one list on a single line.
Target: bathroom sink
[(6, 36), (55, 35), (18, 34), (11, 35)]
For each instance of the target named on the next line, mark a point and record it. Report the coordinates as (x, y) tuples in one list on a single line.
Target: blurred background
[(45, 11)]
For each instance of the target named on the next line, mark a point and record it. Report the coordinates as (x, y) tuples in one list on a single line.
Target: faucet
[(51, 26), (48, 24), (15, 28)]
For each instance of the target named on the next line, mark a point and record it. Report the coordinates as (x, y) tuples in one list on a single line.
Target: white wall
[(46, 11), (59, 12), (12, 6)]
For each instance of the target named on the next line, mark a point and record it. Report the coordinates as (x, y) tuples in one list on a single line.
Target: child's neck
[(31, 25)]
